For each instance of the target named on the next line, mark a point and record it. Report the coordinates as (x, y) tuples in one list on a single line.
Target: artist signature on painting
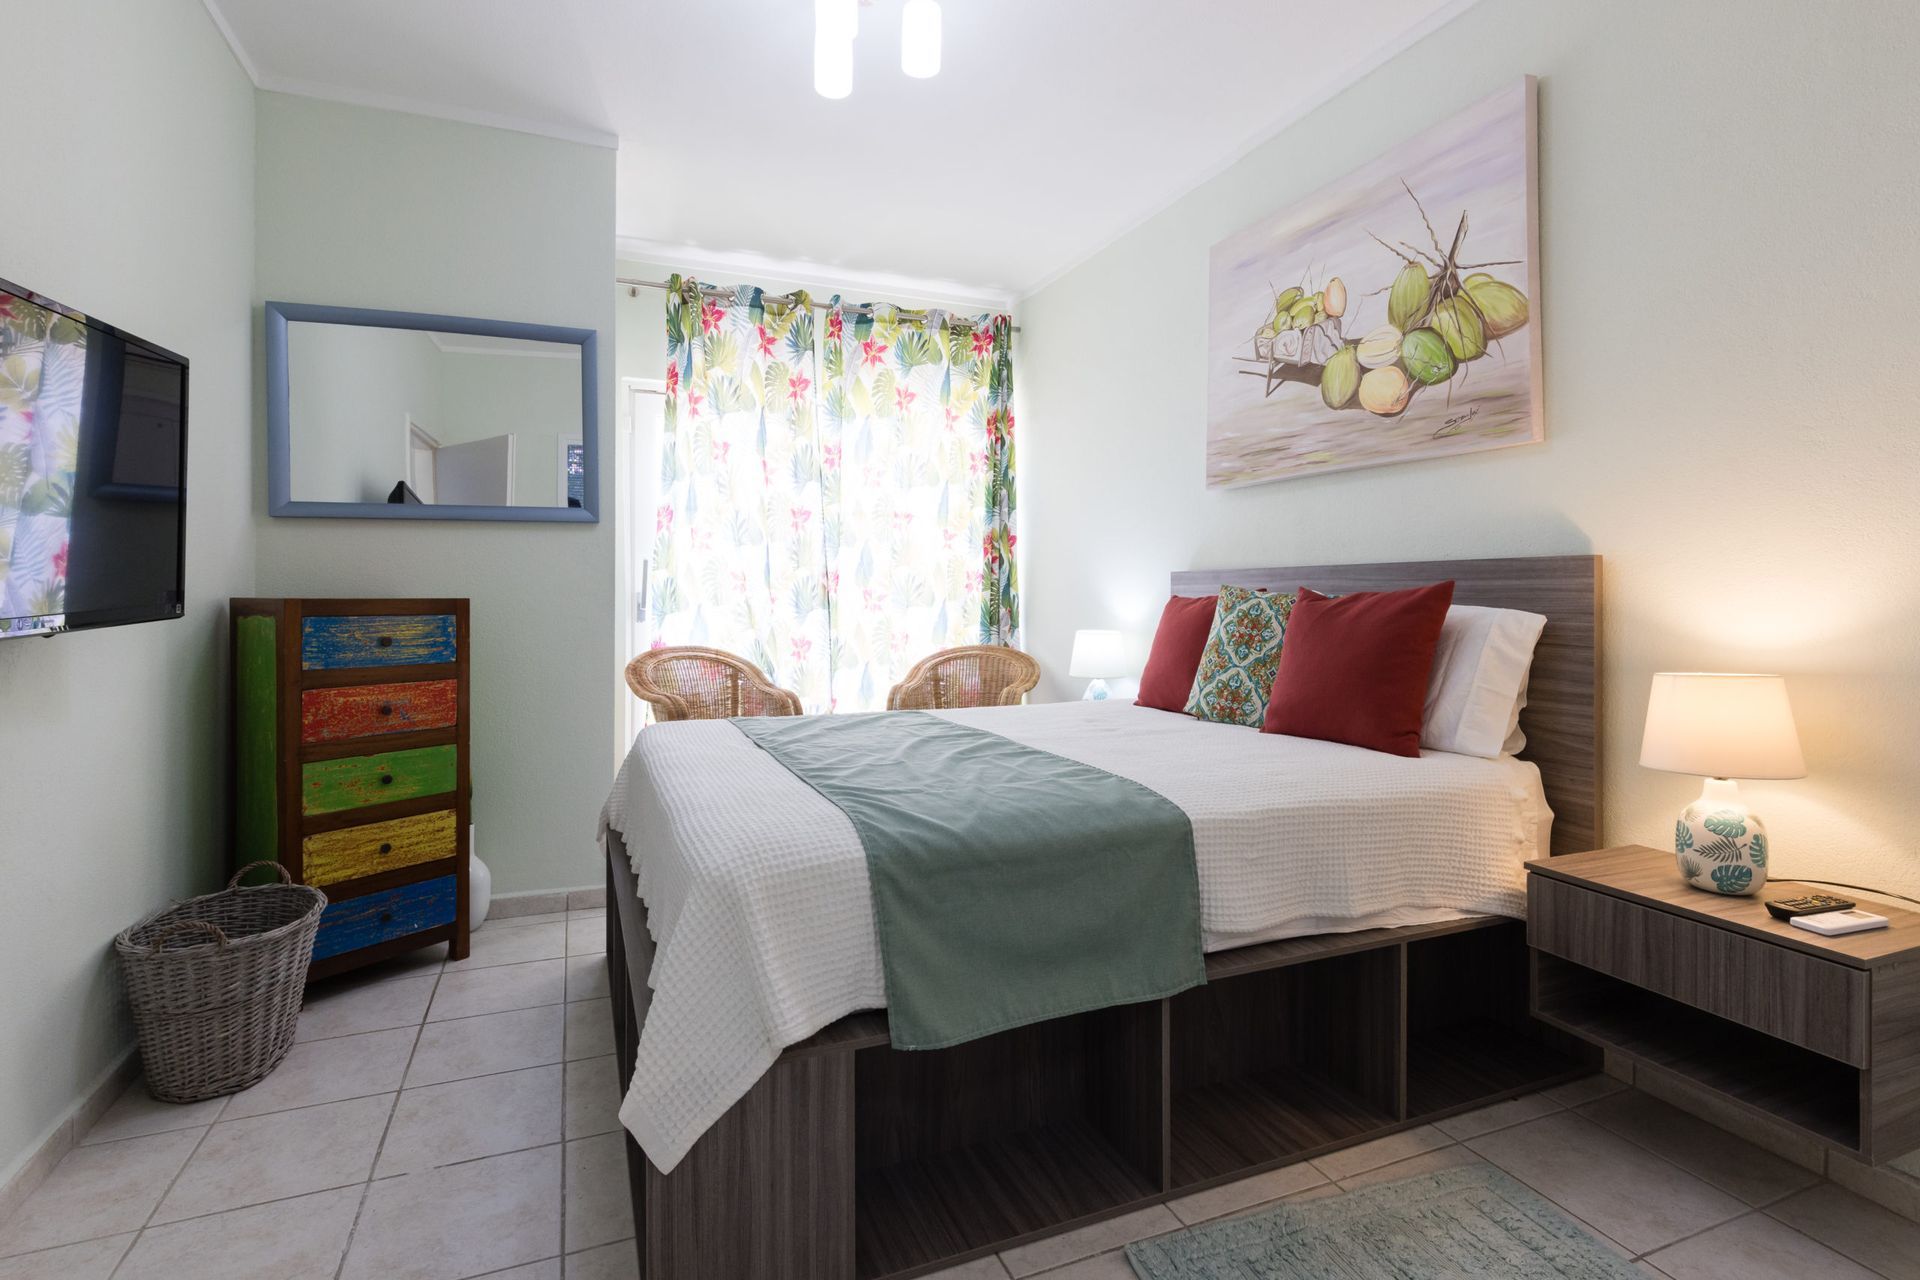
[(1451, 427)]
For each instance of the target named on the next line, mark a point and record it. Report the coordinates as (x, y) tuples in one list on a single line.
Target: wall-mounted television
[(93, 471)]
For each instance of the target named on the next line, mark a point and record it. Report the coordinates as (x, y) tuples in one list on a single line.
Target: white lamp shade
[(920, 39), (1097, 655), (832, 64), (1721, 726)]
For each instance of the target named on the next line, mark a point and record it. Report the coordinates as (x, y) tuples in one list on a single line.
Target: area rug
[(1468, 1222)]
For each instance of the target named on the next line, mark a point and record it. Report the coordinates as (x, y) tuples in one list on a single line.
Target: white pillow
[(1479, 681)]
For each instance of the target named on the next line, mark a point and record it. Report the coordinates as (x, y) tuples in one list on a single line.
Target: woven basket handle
[(264, 862), (173, 931)]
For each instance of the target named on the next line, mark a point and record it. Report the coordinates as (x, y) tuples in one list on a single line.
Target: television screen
[(93, 471)]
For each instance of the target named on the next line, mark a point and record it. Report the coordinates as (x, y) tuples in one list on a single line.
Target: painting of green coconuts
[(1408, 326)]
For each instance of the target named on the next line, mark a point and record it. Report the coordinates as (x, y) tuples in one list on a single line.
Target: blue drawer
[(345, 642), (391, 913)]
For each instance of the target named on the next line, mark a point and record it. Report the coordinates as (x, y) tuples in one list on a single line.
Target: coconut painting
[(1391, 316)]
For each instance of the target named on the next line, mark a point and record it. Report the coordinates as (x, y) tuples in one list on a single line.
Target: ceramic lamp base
[(1721, 845), (1097, 691)]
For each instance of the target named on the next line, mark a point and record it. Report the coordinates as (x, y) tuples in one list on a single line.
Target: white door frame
[(636, 470)]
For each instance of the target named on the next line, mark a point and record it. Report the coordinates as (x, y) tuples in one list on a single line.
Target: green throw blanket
[(1010, 885)]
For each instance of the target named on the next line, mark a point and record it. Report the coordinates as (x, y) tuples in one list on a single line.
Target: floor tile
[(1235, 1196), (1501, 1115), (345, 1009), (1112, 1265), (586, 935), (136, 1113), (513, 946), (92, 1260), (465, 993), (599, 1205), (273, 1157), (1101, 1237), (538, 917), (300, 1239), (463, 1220), (620, 1261), (592, 1097), (1625, 1191), (1344, 1164), (486, 1044), (422, 962), (547, 1270), (589, 1029), (987, 1268), (1728, 1162), (1889, 1188), (1586, 1089), (1412, 1167), (591, 899), (1753, 1248), (1870, 1235), (329, 1071), (465, 1119), (587, 977), (98, 1191)]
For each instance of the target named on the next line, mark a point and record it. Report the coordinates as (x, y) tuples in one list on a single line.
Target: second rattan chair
[(691, 683), (974, 675)]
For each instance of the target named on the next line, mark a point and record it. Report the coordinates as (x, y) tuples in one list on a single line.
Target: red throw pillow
[(1354, 668), (1177, 645)]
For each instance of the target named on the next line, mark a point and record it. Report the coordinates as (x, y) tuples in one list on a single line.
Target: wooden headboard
[(1562, 716)]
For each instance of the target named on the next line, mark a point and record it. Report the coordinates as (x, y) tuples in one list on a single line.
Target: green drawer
[(329, 786)]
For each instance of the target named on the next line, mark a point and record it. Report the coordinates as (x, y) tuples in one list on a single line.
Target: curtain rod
[(663, 286)]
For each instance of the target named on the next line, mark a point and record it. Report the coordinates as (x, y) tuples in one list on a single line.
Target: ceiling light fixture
[(838, 18), (832, 65), (920, 39)]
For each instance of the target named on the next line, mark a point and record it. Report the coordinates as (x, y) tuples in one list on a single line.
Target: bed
[(1364, 972)]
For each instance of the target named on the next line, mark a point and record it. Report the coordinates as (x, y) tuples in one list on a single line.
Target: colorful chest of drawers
[(350, 724)]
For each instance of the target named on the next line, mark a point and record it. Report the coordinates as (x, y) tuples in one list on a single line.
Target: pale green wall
[(1727, 197), (535, 399), (130, 195), (375, 209)]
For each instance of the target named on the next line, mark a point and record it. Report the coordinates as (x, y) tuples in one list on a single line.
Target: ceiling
[(1053, 127)]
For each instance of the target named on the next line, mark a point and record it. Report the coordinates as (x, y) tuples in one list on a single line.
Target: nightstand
[(1822, 1034)]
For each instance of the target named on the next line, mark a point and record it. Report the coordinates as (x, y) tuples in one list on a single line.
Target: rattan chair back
[(687, 682), (975, 675)]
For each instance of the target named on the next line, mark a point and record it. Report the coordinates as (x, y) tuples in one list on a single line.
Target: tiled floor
[(434, 1122), (445, 1121)]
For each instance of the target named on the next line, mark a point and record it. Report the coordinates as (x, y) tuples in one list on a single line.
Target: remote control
[(1811, 904)]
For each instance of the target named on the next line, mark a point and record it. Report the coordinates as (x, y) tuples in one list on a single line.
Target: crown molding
[(730, 266), (448, 346), (239, 51), (1348, 76)]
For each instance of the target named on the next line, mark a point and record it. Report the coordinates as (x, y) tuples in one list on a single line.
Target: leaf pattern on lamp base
[(1721, 849)]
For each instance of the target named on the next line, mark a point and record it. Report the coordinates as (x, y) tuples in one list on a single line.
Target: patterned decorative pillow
[(1242, 654)]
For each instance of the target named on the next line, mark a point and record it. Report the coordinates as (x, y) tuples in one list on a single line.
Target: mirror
[(394, 415)]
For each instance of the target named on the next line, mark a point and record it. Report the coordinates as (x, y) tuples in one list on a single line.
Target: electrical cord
[(1859, 888)]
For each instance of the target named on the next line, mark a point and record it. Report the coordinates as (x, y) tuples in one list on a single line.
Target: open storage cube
[(1275, 1064), (1005, 1137), (1470, 1037)]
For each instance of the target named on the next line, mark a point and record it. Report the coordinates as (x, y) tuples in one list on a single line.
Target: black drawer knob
[(386, 779), (386, 917), (385, 642), (386, 848), (386, 708)]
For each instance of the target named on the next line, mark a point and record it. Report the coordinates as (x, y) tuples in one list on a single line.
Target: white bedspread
[(757, 896)]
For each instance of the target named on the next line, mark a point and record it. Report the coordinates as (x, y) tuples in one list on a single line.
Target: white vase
[(1721, 845), (479, 887)]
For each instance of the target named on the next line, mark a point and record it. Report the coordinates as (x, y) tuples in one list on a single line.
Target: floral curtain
[(739, 555), (917, 491), (43, 364)]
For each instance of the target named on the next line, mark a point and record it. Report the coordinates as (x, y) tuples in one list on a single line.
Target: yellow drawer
[(367, 850)]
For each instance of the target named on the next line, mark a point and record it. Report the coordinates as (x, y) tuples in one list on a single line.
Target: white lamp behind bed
[(1722, 727), (1096, 656)]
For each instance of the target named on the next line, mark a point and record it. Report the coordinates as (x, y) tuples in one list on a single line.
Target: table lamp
[(1097, 655), (1722, 727)]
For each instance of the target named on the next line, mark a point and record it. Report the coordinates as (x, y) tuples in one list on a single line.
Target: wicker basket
[(216, 983)]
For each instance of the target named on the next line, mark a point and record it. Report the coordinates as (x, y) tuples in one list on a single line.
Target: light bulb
[(920, 39), (837, 18), (832, 65)]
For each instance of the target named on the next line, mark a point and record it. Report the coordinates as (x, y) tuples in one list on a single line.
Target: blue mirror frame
[(280, 500)]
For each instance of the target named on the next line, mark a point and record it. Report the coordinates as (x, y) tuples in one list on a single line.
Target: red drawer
[(368, 710)]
